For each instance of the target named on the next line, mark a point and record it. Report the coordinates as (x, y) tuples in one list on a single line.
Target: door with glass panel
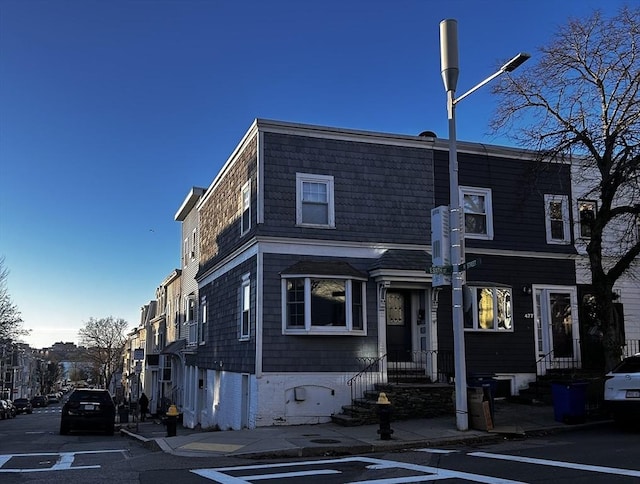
[(557, 329)]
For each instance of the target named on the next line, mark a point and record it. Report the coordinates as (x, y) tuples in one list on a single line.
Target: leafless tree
[(104, 340), (579, 102), (10, 318)]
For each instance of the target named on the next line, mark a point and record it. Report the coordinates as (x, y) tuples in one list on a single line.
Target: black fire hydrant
[(384, 415), (172, 421)]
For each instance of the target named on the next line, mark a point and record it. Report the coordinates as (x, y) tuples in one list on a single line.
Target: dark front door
[(398, 309)]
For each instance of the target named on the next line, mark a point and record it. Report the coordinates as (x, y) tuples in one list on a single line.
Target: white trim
[(309, 328), (259, 314), (260, 179), (488, 213), (328, 182), (244, 191), (566, 226)]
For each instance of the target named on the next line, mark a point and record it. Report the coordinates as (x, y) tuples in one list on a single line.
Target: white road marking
[(556, 463), (426, 473), (437, 451), (64, 461)]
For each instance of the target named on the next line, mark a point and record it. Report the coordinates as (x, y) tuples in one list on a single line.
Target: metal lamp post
[(450, 70)]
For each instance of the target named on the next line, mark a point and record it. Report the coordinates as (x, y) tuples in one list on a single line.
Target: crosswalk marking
[(64, 461), (556, 463)]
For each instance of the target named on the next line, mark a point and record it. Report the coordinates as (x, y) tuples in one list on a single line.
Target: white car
[(622, 390)]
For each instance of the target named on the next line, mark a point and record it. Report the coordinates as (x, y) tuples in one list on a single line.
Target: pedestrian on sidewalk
[(144, 407)]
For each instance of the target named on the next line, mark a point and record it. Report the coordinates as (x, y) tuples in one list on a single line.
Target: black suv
[(88, 409)]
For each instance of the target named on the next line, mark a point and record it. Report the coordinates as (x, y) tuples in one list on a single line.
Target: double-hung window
[(245, 201), (478, 212), (245, 308), (323, 305), (202, 328), (587, 215), (557, 219), (314, 201), (488, 308)]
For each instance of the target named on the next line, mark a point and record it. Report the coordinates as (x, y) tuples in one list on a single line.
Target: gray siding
[(311, 353), (382, 192), (518, 188), (223, 333)]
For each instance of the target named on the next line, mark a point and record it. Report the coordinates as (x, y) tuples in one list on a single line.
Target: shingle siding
[(220, 212), (223, 336), (381, 191), (517, 187), (310, 353), (509, 351)]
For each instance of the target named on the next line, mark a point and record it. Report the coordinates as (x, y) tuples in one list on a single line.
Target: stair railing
[(366, 379)]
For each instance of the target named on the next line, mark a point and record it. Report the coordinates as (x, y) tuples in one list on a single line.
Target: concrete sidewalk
[(511, 419)]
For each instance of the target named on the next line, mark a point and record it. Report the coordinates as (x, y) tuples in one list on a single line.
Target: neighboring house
[(189, 332), (313, 246), (627, 288), (133, 369)]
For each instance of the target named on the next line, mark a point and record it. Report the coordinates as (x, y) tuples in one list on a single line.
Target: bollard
[(172, 421), (384, 414)]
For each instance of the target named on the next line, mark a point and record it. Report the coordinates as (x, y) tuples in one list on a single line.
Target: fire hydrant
[(384, 414), (172, 421)]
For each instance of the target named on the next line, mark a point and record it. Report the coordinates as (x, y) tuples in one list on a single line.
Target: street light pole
[(450, 69)]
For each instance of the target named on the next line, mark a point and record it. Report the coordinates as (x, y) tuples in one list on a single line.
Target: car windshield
[(84, 396), (629, 365)]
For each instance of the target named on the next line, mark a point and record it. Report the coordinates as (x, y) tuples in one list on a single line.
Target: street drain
[(325, 441)]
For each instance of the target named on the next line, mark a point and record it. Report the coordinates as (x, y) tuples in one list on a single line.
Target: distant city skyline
[(113, 111)]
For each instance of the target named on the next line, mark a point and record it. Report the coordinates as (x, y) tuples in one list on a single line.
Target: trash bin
[(123, 412), (569, 401)]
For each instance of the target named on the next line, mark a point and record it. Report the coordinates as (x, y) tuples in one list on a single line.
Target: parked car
[(39, 401), (88, 409), (23, 405), (622, 390), (52, 399)]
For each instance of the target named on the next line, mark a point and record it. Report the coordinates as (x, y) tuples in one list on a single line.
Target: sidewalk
[(511, 419)]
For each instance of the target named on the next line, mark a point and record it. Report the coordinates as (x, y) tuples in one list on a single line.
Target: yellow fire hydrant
[(172, 421)]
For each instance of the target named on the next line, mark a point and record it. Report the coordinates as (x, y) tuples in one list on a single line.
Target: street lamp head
[(516, 62), (449, 65)]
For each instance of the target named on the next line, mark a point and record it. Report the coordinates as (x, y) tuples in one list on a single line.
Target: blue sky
[(110, 111)]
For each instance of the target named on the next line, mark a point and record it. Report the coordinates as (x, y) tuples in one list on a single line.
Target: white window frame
[(566, 229), (203, 317), (245, 208), (309, 328), (244, 322), (328, 181), (488, 213), (191, 320), (185, 252), (581, 202), (471, 302), (194, 244)]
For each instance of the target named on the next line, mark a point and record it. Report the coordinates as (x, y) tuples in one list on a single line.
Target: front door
[(557, 328), (398, 310)]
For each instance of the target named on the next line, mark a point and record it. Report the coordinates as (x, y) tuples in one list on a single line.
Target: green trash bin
[(569, 401)]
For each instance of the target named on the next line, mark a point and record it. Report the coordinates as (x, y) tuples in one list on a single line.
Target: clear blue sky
[(110, 111)]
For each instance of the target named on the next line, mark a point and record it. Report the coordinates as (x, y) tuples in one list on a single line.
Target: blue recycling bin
[(569, 401)]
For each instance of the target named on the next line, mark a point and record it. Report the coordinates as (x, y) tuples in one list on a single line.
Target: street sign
[(443, 270), (138, 354), (470, 264), (448, 270)]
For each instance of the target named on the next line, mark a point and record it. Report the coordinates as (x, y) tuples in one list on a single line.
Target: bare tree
[(104, 339), (10, 319), (580, 103)]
